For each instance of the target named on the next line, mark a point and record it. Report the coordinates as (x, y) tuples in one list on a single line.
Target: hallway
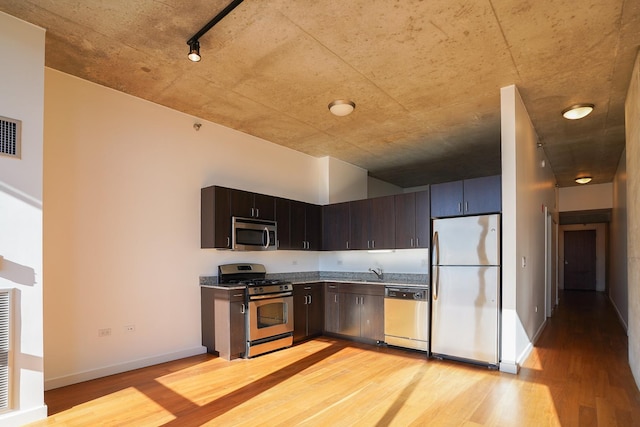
[(582, 357)]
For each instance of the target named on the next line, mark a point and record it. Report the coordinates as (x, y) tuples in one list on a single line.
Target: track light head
[(194, 51)]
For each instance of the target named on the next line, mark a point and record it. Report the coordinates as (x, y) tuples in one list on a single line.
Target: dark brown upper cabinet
[(305, 226), (215, 217), (336, 227), (413, 220), (373, 223), (468, 197), (252, 205)]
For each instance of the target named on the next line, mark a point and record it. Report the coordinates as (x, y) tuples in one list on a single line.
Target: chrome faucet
[(377, 272)]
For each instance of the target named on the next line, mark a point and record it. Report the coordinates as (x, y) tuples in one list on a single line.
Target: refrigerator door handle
[(436, 265)]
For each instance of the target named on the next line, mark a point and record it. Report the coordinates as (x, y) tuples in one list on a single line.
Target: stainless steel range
[(269, 315)]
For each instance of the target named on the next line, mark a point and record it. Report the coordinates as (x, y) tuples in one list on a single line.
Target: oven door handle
[(269, 296)]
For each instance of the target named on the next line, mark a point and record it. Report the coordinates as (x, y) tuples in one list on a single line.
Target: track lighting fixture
[(194, 43)]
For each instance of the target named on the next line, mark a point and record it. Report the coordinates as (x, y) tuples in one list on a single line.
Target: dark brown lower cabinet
[(331, 304), (308, 310), (223, 322)]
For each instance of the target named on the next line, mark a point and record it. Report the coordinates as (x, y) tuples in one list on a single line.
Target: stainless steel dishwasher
[(406, 317)]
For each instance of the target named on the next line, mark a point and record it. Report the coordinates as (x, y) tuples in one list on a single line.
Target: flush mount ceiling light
[(341, 107), (193, 42), (583, 180), (577, 111)]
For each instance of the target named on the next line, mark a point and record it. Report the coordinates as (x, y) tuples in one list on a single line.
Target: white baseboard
[(622, 322), (509, 367), (23, 417), (52, 383)]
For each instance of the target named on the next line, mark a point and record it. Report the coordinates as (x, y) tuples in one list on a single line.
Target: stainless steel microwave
[(252, 234)]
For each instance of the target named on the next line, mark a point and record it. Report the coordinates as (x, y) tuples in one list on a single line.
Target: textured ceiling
[(425, 75)]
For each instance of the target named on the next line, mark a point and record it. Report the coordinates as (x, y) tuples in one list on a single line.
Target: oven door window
[(268, 318), (272, 314)]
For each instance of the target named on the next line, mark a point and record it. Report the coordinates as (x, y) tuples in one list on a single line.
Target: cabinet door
[(349, 314), (298, 224), (331, 305), (405, 207), (282, 217), (446, 199), (482, 195), (382, 223), (335, 227), (215, 217), (359, 227), (237, 323), (241, 203), (372, 320), (264, 206), (423, 219), (299, 313), (313, 226), (315, 310)]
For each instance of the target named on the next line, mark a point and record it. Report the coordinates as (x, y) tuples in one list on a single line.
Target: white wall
[(632, 122), (618, 284), (122, 224), (22, 88), (527, 188), (344, 182), (379, 188), (586, 197)]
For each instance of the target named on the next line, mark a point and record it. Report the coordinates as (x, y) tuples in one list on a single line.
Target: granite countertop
[(366, 278)]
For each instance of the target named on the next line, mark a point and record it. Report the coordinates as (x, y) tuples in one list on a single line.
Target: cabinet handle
[(307, 288), (347, 244), (309, 299), (411, 244), (252, 214), (459, 207), (373, 244), (417, 242), (242, 310), (335, 298), (466, 206), (228, 242), (306, 300), (257, 213)]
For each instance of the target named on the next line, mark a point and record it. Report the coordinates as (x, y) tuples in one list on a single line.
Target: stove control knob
[(261, 289)]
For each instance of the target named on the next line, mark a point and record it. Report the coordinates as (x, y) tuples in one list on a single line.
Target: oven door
[(270, 315)]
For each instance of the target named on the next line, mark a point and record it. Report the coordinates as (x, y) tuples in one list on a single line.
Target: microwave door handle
[(268, 240)]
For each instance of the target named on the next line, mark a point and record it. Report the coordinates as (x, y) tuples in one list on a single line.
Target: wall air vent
[(5, 350), (10, 137)]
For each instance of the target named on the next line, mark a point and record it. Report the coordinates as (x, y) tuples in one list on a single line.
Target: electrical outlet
[(130, 328), (104, 332)]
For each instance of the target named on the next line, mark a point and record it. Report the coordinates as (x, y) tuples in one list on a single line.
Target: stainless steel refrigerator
[(465, 288)]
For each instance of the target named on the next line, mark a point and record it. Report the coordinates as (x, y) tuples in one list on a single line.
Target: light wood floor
[(577, 375)]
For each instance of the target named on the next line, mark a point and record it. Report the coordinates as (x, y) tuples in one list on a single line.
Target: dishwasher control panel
[(419, 294)]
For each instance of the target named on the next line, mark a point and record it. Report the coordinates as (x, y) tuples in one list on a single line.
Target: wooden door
[(580, 260)]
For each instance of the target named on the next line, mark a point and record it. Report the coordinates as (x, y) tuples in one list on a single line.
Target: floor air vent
[(5, 349), (10, 135)]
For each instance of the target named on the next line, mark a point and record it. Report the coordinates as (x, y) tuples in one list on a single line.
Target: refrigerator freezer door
[(464, 311), (467, 240)]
